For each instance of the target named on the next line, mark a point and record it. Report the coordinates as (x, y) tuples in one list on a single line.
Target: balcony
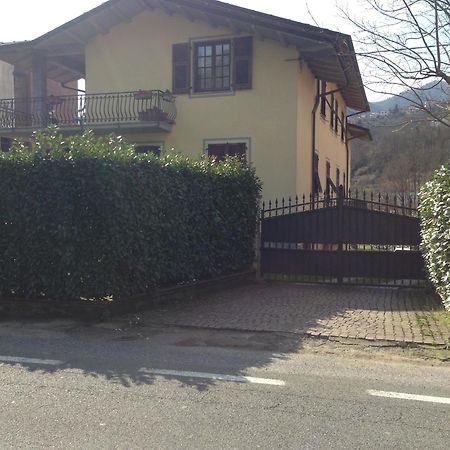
[(137, 111)]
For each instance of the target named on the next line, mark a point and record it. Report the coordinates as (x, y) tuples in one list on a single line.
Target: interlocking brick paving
[(388, 314)]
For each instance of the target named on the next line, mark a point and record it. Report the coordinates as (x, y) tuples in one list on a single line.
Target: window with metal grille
[(213, 66), (220, 151), (149, 148)]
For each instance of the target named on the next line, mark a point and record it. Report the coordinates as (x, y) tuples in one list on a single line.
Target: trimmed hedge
[(88, 217), (435, 220)]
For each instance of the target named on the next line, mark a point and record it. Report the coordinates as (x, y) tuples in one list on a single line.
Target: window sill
[(207, 94)]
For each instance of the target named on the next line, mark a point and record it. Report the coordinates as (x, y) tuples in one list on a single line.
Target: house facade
[(201, 77), (6, 91)]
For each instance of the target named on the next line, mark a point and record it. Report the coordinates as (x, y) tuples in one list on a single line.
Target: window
[(218, 66), (221, 150), (5, 144), (332, 111), (336, 117), (181, 68), (338, 177), (317, 185), (149, 148), (323, 99), (342, 126), (243, 56), (213, 66)]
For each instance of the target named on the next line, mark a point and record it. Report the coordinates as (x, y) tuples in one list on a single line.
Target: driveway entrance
[(343, 239)]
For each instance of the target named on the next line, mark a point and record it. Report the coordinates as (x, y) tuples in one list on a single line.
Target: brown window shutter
[(243, 62), (181, 68)]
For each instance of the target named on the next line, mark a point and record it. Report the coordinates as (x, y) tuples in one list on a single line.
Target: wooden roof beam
[(234, 26), (63, 50), (161, 4), (120, 13), (96, 24), (258, 33), (68, 65), (283, 39), (186, 12), (75, 37)]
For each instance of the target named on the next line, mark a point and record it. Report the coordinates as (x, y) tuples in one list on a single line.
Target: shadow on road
[(228, 332)]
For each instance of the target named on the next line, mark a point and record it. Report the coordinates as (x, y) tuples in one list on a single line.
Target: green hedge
[(88, 217), (435, 217)]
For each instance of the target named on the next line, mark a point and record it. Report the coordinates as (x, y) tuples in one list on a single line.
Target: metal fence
[(88, 109), (355, 238)]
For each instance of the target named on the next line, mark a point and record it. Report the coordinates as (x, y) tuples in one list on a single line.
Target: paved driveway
[(386, 314)]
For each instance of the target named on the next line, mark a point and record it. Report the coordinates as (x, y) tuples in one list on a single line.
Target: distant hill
[(439, 92), (404, 153)]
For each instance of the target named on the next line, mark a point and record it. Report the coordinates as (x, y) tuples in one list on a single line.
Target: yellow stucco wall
[(274, 116), (306, 88), (328, 143)]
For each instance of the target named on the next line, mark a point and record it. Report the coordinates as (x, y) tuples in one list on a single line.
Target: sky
[(28, 19)]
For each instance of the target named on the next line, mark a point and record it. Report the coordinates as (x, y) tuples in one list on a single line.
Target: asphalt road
[(105, 388)]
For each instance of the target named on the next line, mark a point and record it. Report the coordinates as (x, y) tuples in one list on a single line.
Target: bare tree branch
[(405, 44)]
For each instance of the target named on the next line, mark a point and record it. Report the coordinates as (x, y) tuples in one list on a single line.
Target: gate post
[(259, 244), (340, 229)]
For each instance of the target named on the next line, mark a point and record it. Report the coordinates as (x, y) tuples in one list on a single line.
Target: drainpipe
[(313, 154), (347, 180)]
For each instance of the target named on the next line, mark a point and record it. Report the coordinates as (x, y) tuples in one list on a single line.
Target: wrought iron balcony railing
[(89, 110)]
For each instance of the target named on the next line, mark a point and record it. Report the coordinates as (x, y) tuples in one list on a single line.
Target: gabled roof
[(330, 55)]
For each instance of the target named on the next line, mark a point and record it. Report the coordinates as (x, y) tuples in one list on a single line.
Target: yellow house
[(201, 77)]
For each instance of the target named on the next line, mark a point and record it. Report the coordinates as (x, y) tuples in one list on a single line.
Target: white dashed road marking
[(213, 376), (20, 360), (417, 398)]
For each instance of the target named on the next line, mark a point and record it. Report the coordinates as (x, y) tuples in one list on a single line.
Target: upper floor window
[(343, 125), (317, 185), (213, 66), (332, 111), (323, 99), (336, 116), (218, 65)]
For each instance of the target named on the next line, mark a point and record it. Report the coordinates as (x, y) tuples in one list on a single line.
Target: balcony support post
[(39, 88)]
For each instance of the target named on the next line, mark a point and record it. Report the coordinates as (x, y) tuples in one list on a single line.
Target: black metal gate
[(343, 239)]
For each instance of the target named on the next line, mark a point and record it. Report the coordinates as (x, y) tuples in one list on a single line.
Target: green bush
[(88, 217), (435, 217)]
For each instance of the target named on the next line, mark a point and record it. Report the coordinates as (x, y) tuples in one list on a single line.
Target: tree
[(405, 48)]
